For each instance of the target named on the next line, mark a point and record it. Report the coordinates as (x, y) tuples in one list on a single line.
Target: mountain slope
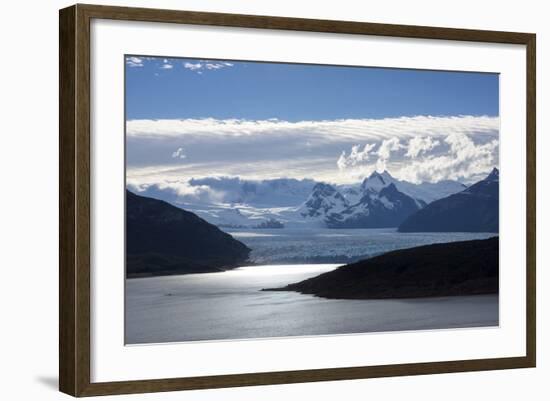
[(380, 201), (324, 199), (476, 209), (376, 203), (423, 192), (386, 208), (455, 268), (163, 239)]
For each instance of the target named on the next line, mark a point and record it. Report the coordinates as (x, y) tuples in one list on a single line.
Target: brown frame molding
[(74, 199)]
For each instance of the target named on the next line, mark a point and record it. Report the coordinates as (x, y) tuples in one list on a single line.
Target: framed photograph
[(249, 200)]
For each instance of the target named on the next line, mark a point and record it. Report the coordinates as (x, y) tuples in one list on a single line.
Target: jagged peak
[(377, 180), (493, 175), (321, 186), (383, 174)]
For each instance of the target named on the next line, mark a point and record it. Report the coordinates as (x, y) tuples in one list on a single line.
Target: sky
[(192, 118)]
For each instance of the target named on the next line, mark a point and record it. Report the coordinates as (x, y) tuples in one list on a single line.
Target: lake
[(230, 305)]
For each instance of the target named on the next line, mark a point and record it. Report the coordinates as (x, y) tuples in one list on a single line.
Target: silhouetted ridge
[(476, 209), (455, 268), (164, 239)]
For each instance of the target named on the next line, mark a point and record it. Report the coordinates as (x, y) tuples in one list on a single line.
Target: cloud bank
[(459, 158), (420, 145), (335, 130), (421, 148)]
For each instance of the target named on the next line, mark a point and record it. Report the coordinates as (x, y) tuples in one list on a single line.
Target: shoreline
[(429, 271)]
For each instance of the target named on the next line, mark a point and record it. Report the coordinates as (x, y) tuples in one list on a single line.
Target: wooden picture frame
[(75, 207)]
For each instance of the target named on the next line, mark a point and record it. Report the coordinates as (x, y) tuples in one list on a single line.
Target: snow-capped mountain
[(238, 203), (323, 200), (376, 181), (387, 207), (376, 203), (379, 201), (425, 192)]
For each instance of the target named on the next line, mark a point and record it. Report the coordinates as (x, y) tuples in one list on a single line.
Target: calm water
[(230, 305)]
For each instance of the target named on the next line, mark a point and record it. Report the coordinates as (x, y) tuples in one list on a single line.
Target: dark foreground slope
[(163, 239), (456, 268), (473, 210)]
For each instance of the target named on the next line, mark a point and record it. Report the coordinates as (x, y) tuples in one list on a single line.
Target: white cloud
[(356, 156), (356, 130), (174, 173), (134, 62), (167, 64), (178, 154), (458, 158), (192, 66), (182, 189), (387, 147), (420, 145), (206, 65), (342, 161), (464, 160)]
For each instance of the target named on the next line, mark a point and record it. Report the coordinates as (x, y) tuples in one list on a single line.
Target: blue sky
[(191, 118), (294, 92)]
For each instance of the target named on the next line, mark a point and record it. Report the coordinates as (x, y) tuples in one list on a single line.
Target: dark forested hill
[(455, 268), (476, 209), (164, 239)]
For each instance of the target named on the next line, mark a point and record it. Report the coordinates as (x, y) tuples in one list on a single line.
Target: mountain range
[(379, 201), (386, 208)]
